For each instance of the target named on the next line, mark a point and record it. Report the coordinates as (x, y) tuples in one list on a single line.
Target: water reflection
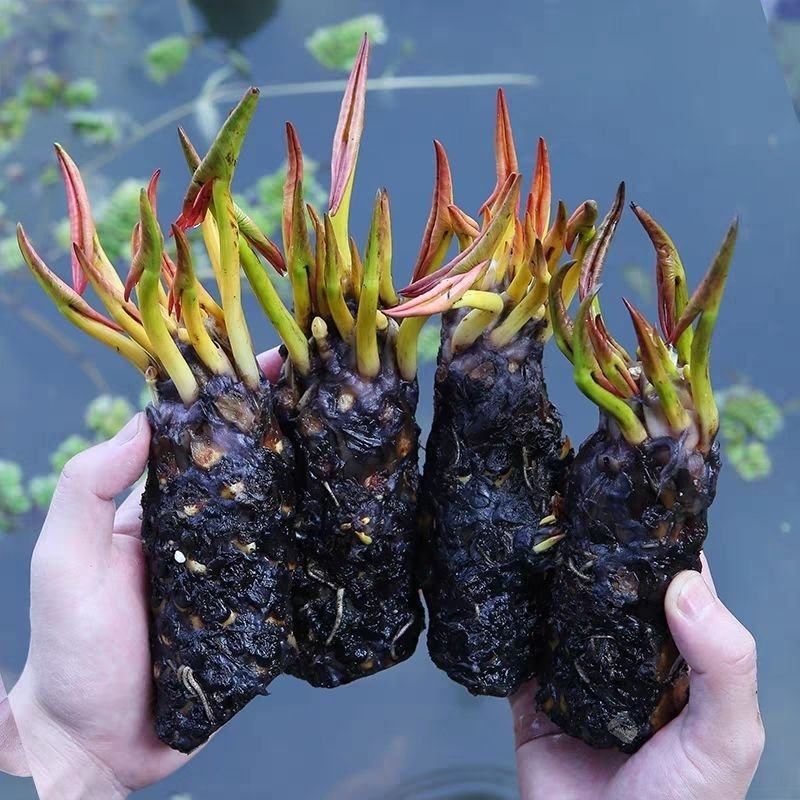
[(784, 26), (700, 132), (473, 782), (233, 21)]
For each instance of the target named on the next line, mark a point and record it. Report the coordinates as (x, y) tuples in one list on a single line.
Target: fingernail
[(131, 429), (694, 596)]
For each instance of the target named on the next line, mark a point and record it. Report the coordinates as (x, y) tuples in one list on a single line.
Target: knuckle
[(72, 474), (744, 747), (743, 658)]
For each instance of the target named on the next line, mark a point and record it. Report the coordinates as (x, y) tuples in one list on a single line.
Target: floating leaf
[(336, 46), (263, 202), (10, 256), (70, 447), (750, 460), (13, 498), (115, 217), (640, 281), (10, 10), (95, 127), (748, 420), (41, 88), (428, 342), (746, 411), (107, 414), (49, 176), (166, 57), (41, 489), (80, 93), (14, 116)]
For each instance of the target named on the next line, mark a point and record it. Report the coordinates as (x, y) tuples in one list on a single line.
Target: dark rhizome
[(496, 457), (636, 499), (220, 487)]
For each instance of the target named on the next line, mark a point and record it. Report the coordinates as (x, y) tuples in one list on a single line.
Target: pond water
[(684, 100)]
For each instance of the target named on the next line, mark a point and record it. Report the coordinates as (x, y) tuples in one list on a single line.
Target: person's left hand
[(84, 702)]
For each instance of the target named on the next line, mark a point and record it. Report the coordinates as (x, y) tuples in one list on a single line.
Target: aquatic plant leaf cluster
[(336, 46), (749, 421), (104, 416), (635, 501), (166, 57), (263, 201), (14, 500), (496, 455), (43, 89)]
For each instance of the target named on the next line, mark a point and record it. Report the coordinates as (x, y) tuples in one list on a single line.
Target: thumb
[(81, 513), (722, 721)]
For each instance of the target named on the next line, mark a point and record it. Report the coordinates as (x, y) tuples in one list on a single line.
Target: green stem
[(377, 259), (230, 286), (406, 346), (280, 317), (161, 341)]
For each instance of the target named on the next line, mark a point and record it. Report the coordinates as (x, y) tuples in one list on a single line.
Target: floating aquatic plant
[(749, 420), (14, 500), (336, 46), (166, 57)]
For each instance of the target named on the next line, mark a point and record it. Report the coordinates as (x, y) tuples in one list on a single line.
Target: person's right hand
[(709, 752), (83, 703)]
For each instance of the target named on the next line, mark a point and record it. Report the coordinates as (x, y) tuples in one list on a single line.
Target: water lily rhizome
[(267, 552), (636, 499), (220, 482), (496, 457), (347, 399)]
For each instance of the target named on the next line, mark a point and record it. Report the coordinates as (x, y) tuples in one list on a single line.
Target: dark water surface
[(685, 101)]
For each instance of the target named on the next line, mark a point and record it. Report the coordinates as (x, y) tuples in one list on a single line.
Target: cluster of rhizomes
[(535, 564), (278, 522), (282, 525)]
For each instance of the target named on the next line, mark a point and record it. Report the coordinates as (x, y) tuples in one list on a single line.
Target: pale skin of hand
[(709, 752), (83, 701)]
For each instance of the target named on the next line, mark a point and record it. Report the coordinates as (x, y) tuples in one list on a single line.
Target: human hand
[(12, 755), (83, 703), (710, 751)]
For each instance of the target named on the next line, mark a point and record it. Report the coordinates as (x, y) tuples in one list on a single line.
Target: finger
[(128, 519), (705, 571), (529, 723), (271, 362), (81, 514), (722, 720)]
